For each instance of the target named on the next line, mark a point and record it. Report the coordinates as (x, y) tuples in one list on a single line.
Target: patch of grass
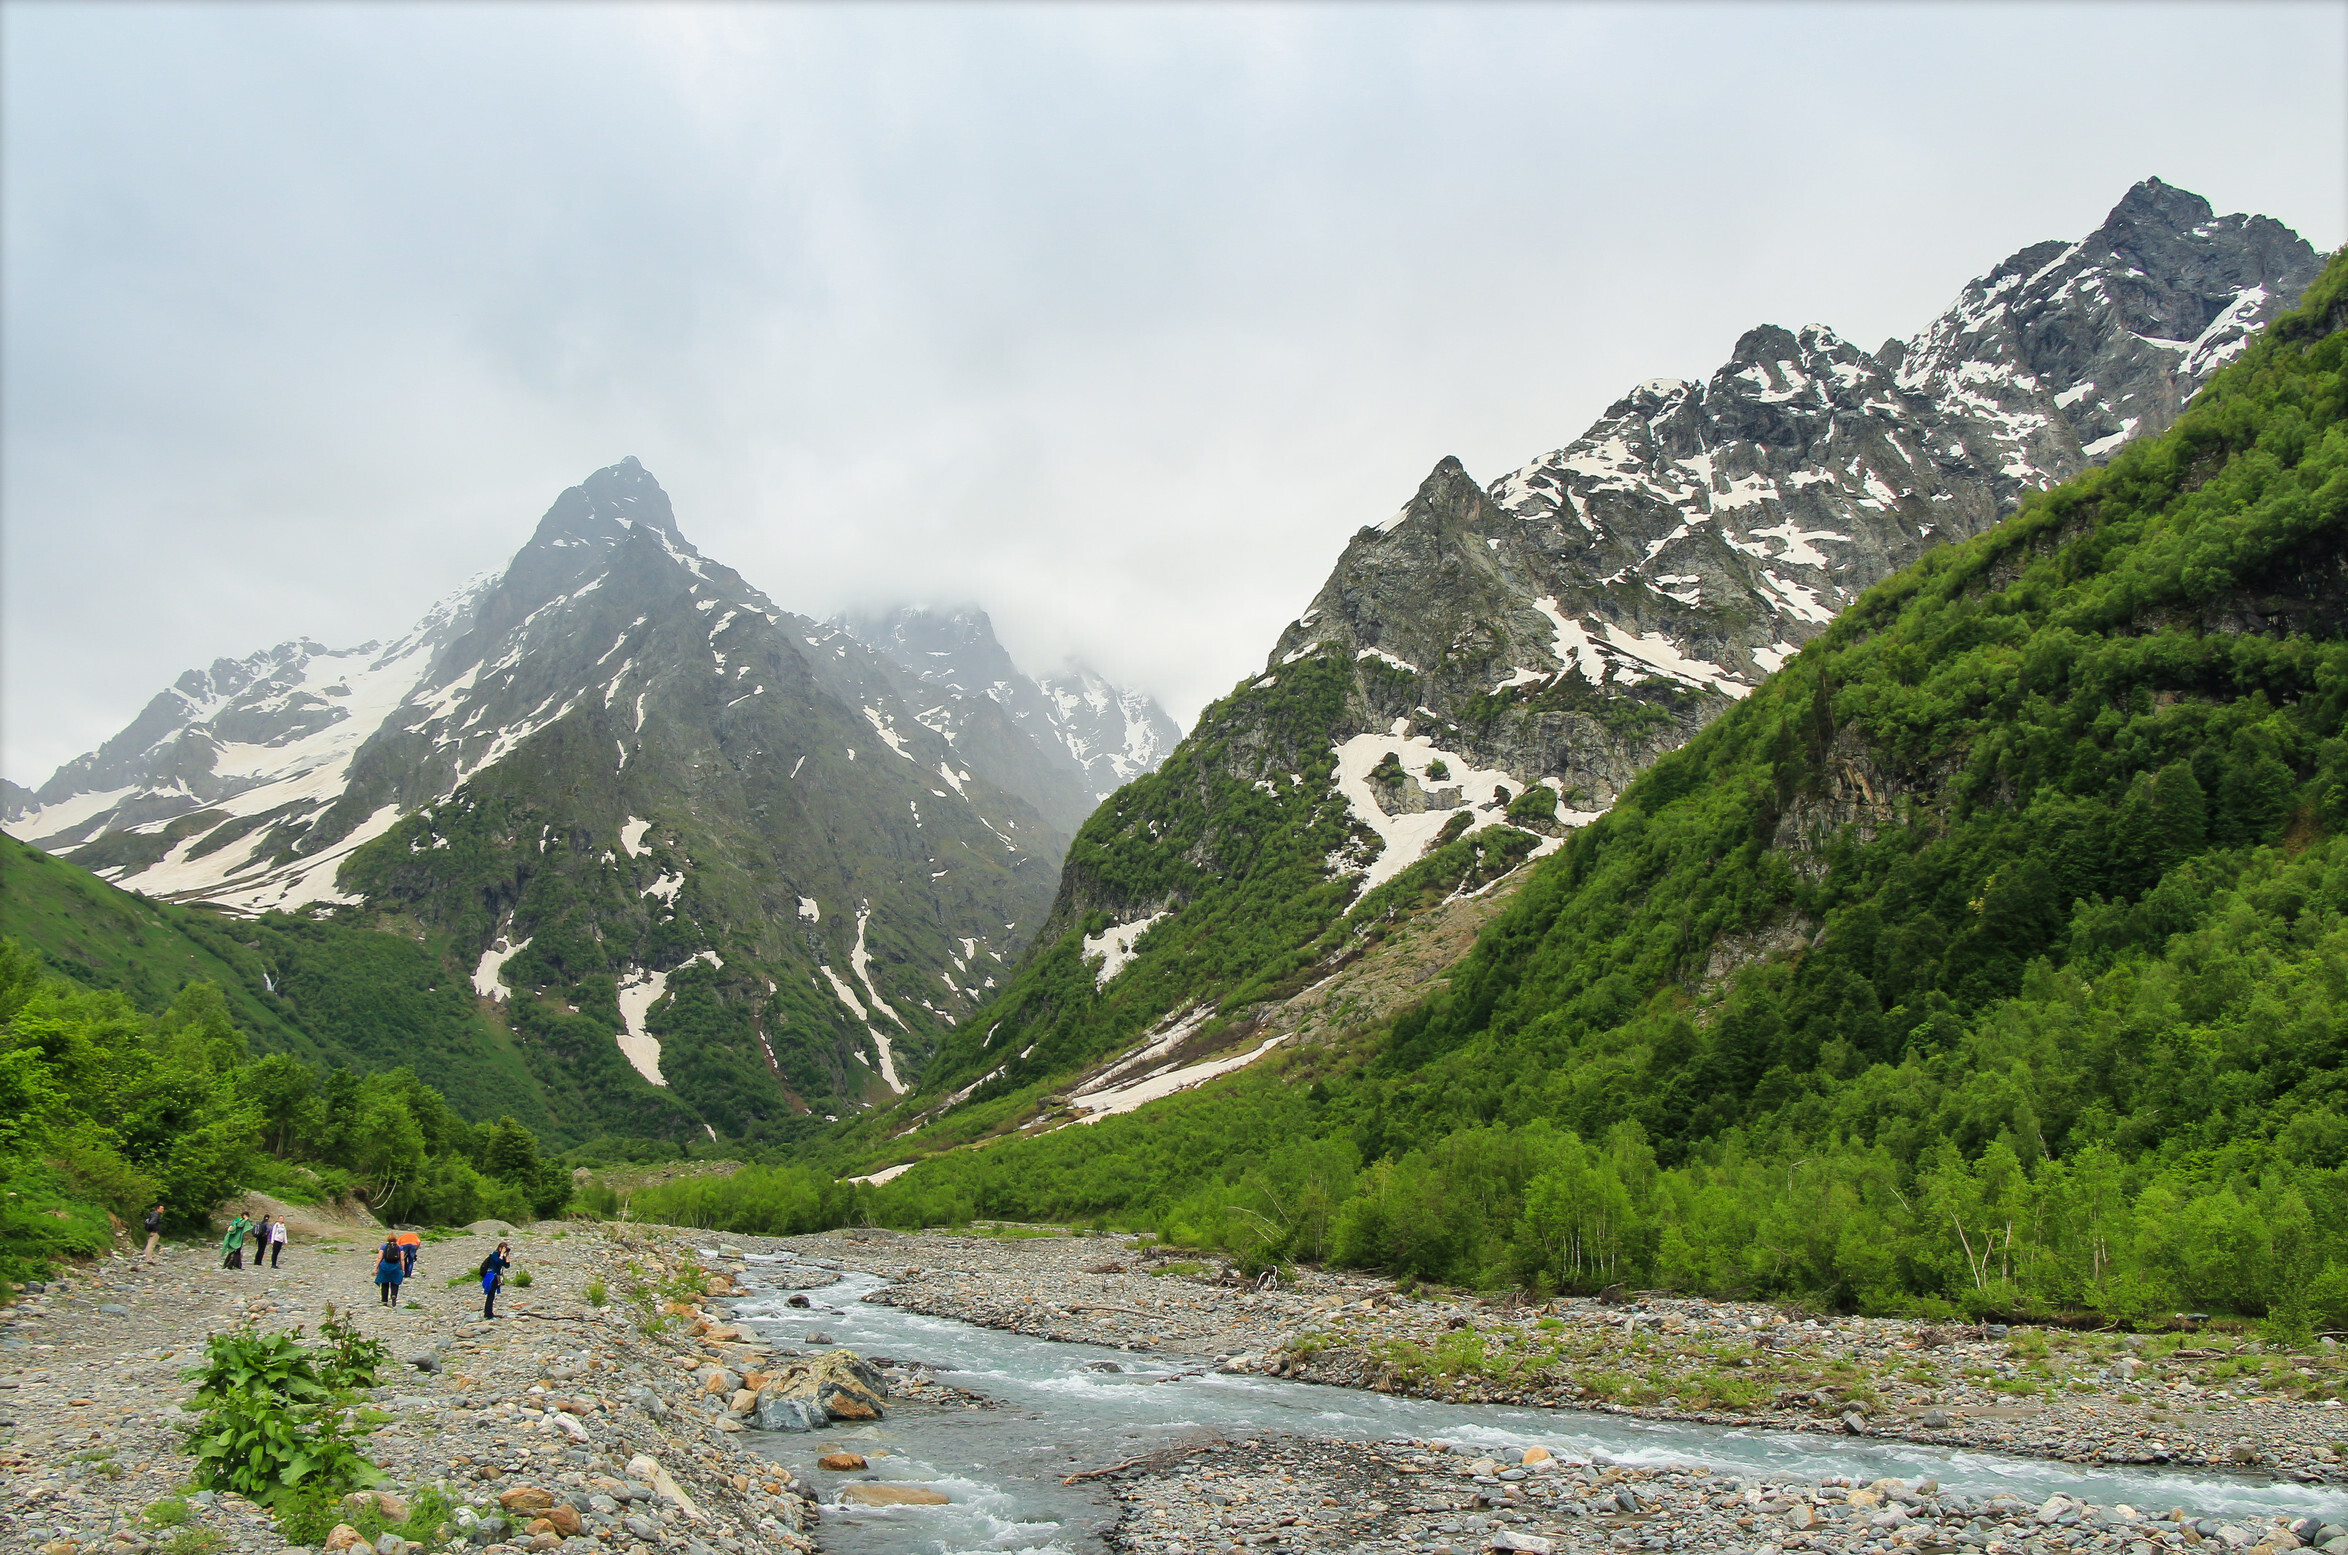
[(522, 1279), (169, 1512), (194, 1541), (597, 1293)]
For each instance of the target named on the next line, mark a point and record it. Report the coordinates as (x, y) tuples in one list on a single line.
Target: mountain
[(702, 858), (1089, 737), (1487, 669), (1985, 961)]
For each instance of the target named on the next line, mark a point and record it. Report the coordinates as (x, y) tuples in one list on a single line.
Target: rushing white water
[(1003, 1467)]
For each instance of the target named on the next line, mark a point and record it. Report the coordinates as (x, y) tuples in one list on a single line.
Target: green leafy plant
[(522, 1280), (351, 1359), (597, 1293), (267, 1420)]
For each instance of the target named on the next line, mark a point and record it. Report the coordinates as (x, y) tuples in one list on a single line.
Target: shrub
[(268, 1421)]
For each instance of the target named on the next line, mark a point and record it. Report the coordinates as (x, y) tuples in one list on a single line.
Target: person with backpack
[(232, 1246), (493, 1270), (389, 1270), (410, 1244), (154, 1229)]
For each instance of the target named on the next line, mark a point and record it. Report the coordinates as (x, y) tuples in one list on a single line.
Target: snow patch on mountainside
[(487, 977), (1114, 946), (638, 994), (1408, 835)]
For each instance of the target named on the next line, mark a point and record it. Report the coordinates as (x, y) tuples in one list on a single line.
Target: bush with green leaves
[(268, 1421)]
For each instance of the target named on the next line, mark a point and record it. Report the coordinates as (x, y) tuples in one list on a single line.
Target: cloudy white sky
[(1115, 319)]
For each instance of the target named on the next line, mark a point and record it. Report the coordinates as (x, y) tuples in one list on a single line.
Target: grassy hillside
[(1993, 954), (333, 993)]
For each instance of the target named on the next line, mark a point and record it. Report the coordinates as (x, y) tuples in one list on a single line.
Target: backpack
[(483, 1271)]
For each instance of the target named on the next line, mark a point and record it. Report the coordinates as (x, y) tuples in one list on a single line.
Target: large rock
[(892, 1495), (808, 1395), (489, 1228)]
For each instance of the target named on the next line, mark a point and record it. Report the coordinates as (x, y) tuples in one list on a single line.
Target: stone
[(344, 1537), (390, 1544), (565, 1518), (892, 1495), (1510, 1539), (841, 1462), (426, 1362), (743, 1401), (532, 1498), (1535, 1455), (392, 1508), (819, 1337), (1800, 1515), (113, 1309), (795, 1301), (1854, 1422), (1937, 1420), (641, 1526)]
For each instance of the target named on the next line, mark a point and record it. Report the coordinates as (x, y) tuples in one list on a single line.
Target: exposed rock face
[(1084, 738), (1600, 604)]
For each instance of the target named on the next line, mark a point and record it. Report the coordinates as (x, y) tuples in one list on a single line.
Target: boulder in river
[(892, 1495), (808, 1395)]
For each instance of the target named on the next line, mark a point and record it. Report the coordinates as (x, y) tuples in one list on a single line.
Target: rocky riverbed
[(2172, 1398), (601, 1412), (1444, 1499), (609, 1412)]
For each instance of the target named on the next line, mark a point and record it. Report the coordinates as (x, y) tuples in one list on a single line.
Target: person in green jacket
[(232, 1246)]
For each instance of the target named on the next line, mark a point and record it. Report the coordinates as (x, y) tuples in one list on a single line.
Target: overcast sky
[(1116, 320)]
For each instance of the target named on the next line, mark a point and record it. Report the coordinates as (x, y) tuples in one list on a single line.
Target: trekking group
[(395, 1260)]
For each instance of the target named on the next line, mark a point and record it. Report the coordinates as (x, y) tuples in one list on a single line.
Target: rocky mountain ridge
[(703, 856), (1091, 737), (1503, 659)]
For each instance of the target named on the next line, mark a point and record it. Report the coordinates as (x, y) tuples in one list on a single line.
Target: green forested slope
[(334, 994), (1995, 951)]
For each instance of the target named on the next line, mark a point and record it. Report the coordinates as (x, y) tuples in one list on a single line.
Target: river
[(1067, 1407)]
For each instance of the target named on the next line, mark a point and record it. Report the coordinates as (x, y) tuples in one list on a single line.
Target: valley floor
[(625, 1426)]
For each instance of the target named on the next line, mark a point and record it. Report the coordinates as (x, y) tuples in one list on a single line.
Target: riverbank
[(564, 1424), (1442, 1499), (2171, 1399)]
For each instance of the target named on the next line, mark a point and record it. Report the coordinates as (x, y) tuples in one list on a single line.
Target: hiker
[(410, 1245), (389, 1270), (232, 1246), (154, 1229), (260, 1240), (493, 1270), (276, 1240)]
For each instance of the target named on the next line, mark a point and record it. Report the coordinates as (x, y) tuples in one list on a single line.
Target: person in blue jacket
[(389, 1270), (493, 1270)]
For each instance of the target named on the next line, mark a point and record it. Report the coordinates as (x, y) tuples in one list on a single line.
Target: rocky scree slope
[(700, 854), (1487, 669), (1086, 738)]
